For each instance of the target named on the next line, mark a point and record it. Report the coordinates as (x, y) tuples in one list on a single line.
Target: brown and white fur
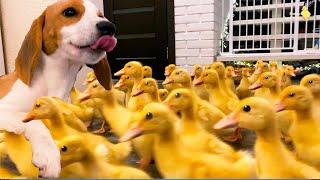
[(47, 65)]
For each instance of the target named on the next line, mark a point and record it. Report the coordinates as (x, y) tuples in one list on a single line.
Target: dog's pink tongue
[(106, 43)]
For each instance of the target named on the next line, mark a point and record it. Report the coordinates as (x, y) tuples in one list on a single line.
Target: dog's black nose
[(106, 28)]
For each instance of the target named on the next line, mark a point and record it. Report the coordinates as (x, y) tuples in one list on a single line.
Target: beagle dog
[(68, 35)]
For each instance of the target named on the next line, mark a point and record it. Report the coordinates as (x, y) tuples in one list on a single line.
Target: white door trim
[(2, 65)]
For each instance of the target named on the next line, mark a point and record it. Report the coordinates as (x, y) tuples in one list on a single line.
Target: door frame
[(2, 62), (171, 29)]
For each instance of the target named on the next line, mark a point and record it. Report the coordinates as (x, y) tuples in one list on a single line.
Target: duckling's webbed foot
[(102, 130), (144, 163)]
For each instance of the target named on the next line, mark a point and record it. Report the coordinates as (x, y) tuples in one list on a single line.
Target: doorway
[(145, 33)]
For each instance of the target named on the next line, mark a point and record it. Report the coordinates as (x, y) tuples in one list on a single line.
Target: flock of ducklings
[(187, 127)]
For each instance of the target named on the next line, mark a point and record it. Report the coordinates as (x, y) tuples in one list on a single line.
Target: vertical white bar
[(306, 30), (261, 23), (246, 24), (268, 26), (275, 26), (314, 24), (2, 65), (239, 40), (296, 26), (231, 27), (291, 18), (261, 27), (283, 22), (254, 25)]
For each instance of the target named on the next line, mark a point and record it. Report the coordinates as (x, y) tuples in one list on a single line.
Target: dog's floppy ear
[(30, 51), (103, 73)]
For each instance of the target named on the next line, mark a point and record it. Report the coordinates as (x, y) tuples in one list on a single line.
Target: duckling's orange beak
[(193, 73), (228, 122), (198, 81), (30, 116), (279, 106), (119, 73), (255, 86), (137, 92), (119, 84), (85, 96), (131, 134), (233, 74), (168, 81)]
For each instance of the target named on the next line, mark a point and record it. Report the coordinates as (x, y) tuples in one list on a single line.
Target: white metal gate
[(272, 29)]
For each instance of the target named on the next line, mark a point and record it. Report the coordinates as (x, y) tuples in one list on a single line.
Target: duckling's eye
[(129, 66), (177, 95), (177, 73), (310, 82), (38, 105), (246, 108), (267, 77), (147, 83), (292, 94), (94, 85), (64, 149), (207, 75), (149, 116), (127, 77)]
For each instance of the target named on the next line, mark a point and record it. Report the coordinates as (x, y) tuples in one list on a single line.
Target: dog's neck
[(60, 74)]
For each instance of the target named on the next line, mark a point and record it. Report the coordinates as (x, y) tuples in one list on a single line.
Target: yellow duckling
[(305, 13), (168, 71), (217, 94), (74, 149), (172, 160), (148, 86), (125, 84), (49, 111), (200, 90), (6, 174), (221, 70), (147, 72), (163, 94), (305, 129), (134, 70), (260, 68), (243, 88), (191, 127), (179, 78), (273, 159), (230, 74), (273, 66), (269, 81), (285, 75), (119, 119), (312, 82)]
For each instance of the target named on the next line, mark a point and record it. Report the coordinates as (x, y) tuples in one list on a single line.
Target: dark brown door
[(142, 33)]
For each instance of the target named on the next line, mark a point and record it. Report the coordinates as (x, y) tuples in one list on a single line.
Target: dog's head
[(69, 29)]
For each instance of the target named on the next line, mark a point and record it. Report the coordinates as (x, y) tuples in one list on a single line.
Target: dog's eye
[(69, 12), (292, 94), (207, 75), (267, 77), (310, 82), (38, 105), (129, 66), (64, 149), (127, 77), (149, 116), (177, 95), (94, 85), (246, 108)]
